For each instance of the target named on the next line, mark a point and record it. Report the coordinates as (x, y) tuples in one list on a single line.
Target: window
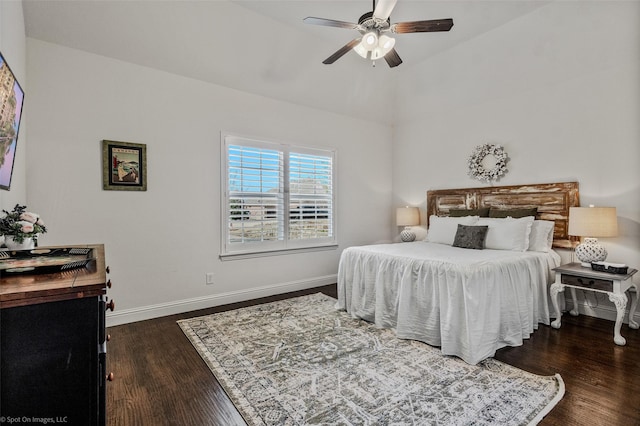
[(276, 197)]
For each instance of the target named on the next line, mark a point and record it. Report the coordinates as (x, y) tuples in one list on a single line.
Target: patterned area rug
[(301, 362)]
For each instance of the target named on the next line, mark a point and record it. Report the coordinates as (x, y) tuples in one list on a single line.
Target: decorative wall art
[(124, 166), (11, 100), (488, 163)]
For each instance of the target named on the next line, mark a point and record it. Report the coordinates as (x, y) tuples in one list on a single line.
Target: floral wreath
[(477, 170)]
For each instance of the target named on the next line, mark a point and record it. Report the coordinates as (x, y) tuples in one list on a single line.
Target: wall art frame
[(12, 100), (124, 166)]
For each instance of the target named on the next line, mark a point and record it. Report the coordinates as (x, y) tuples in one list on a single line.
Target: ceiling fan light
[(386, 43), (376, 54), (384, 46), (361, 50), (369, 40)]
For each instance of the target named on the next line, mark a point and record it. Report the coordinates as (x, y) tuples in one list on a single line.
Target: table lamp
[(407, 217), (591, 222)]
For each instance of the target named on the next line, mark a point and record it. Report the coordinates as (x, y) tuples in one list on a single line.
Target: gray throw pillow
[(470, 237)]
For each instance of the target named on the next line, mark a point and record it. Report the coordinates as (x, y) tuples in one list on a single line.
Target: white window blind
[(276, 197), (255, 194), (310, 196)]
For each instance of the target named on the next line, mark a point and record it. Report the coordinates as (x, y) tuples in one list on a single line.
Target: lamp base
[(407, 235), (590, 251)]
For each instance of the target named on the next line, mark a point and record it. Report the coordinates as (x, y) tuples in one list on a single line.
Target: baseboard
[(179, 306), (604, 312)]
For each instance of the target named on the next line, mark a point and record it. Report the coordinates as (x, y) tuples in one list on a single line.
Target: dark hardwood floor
[(161, 380)]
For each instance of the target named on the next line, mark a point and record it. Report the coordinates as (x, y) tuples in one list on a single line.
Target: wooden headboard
[(552, 199)]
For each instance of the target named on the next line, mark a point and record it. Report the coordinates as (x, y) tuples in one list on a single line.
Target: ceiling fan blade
[(341, 52), (383, 9), (422, 26), (330, 23), (392, 58)]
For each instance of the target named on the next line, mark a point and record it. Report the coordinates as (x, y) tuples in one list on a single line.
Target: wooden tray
[(44, 261)]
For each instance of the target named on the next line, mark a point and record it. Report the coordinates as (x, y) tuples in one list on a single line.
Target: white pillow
[(507, 233), (443, 230), (541, 236)]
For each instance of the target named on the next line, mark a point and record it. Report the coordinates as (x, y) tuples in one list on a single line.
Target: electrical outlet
[(210, 277)]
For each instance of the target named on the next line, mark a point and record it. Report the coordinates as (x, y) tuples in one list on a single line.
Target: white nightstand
[(573, 275)]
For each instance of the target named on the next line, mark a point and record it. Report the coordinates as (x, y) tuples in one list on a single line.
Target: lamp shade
[(593, 221), (407, 216)]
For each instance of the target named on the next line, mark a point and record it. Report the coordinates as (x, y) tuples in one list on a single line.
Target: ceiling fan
[(375, 43)]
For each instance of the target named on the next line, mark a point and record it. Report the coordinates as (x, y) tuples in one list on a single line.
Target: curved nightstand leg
[(574, 309), (555, 289), (634, 304), (620, 300)]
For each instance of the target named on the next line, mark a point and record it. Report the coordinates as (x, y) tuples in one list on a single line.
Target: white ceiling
[(263, 46)]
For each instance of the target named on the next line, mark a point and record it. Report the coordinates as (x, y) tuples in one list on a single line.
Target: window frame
[(230, 250)]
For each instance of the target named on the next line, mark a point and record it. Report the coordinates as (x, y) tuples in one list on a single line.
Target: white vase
[(26, 244), (590, 251)]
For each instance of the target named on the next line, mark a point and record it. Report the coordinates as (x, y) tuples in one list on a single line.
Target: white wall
[(160, 243), (13, 48), (558, 88)]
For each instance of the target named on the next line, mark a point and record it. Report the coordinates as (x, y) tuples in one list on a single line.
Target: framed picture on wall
[(11, 100), (124, 166)]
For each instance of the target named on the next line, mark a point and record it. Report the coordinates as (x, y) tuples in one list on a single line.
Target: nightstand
[(574, 276)]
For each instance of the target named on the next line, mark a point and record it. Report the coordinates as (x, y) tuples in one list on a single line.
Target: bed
[(469, 302)]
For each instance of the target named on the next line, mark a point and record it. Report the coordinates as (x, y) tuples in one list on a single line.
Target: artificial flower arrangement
[(21, 224)]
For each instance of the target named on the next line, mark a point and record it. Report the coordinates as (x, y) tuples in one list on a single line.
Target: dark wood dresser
[(53, 335)]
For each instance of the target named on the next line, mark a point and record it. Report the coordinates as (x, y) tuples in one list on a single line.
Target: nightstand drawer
[(590, 283)]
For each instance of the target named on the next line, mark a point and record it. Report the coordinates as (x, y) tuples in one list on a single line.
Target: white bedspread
[(468, 302)]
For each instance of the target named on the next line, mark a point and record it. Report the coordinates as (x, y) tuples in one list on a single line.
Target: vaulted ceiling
[(263, 46)]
